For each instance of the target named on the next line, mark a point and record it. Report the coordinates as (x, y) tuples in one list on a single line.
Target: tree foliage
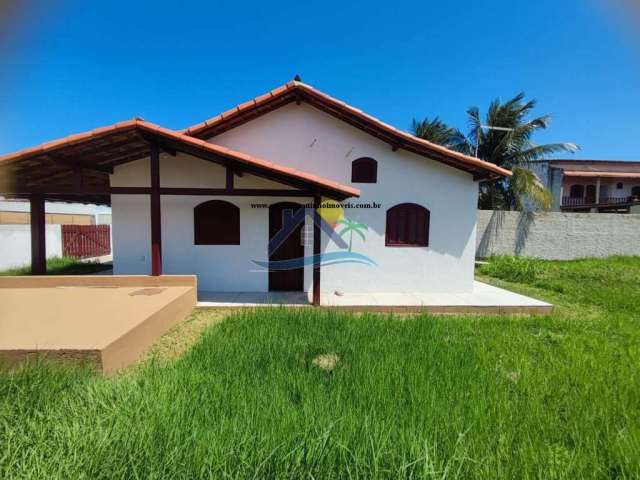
[(504, 138)]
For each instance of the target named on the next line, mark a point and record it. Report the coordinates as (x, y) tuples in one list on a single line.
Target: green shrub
[(512, 269)]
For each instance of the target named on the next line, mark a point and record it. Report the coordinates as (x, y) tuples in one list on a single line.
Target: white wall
[(15, 244), (219, 267), (304, 138), (557, 235), (55, 207)]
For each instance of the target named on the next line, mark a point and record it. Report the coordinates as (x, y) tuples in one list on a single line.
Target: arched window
[(619, 186), (576, 191), (407, 226), (364, 170), (216, 222)]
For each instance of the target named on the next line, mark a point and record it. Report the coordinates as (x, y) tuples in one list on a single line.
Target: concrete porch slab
[(107, 321), (252, 299), (484, 299)]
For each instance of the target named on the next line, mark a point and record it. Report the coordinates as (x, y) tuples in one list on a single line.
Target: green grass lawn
[(61, 266), (410, 397)]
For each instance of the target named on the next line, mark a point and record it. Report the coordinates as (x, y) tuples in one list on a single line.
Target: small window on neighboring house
[(216, 222), (407, 226), (576, 191), (364, 170), (619, 186)]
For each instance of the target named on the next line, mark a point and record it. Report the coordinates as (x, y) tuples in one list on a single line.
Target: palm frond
[(361, 226), (436, 131), (513, 148), (537, 152), (360, 234), (526, 186)]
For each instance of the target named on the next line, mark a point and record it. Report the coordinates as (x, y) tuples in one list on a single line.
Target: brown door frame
[(294, 277)]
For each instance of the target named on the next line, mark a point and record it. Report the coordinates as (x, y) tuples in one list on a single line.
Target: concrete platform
[(484, 299), (106, 320)]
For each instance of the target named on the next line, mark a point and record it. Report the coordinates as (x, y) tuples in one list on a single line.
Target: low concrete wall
[(557, 235), (15, 244), (53, 281)]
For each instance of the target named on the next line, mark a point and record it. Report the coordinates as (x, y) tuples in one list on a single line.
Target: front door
[(590, 196), (291, 248)]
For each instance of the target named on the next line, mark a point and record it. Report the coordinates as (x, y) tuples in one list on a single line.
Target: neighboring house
[(16, 212), (225, 199), (591, 185)]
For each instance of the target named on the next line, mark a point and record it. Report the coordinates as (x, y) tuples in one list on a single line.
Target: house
[(232, 199), (16, 212), (591, 185)]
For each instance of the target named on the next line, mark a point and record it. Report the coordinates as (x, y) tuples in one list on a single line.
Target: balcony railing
[(576, 202)]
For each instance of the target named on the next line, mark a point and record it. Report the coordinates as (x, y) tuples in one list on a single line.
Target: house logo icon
[(334, 228)]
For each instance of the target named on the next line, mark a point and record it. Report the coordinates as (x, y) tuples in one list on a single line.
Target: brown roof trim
[(578, 173), (142, 126), (298, 91), (599, 162)]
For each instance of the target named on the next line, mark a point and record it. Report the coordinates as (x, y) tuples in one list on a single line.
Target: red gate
[(83, 241)]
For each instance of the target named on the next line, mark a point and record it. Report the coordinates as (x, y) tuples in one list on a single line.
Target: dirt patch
[(513, 376), (183, 336), (326, 361)]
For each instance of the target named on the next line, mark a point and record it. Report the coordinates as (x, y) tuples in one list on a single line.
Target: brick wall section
[(557, 235)]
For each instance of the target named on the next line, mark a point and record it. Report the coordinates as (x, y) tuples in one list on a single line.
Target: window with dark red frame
[(364, 170), (216, 222), (407, 226)]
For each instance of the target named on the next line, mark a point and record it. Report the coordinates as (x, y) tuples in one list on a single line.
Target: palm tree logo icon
[(351, 227)]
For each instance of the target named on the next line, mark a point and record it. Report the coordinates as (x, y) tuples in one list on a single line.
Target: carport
[(77, 168)]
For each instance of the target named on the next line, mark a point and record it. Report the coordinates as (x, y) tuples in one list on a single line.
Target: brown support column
[(156, 221), (229, 182), (316, 251), (38, 243)]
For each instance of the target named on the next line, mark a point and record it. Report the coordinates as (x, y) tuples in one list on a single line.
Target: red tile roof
[(243, 158), (298, 91), (239, 158)]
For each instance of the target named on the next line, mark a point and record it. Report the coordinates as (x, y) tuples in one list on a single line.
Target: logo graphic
[(333, 223)]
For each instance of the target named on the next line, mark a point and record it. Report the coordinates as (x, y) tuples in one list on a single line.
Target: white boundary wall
[(557, 235), (15, 244)]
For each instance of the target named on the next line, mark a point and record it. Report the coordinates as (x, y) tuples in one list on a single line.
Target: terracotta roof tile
[(240, 157), (248, 104), (459, 159), (262, 98)]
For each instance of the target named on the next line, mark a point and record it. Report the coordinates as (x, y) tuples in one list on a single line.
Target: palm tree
[(352, 226), (510, 146), (437, 131)]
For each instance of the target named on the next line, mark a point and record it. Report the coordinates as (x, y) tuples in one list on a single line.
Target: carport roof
[(95, 153)]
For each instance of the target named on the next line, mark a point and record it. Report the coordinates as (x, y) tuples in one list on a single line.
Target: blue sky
[(70, 66)]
